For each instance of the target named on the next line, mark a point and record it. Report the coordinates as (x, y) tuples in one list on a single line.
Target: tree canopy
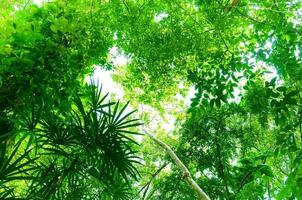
[(238, 137)]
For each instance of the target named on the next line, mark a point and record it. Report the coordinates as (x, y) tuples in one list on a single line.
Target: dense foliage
[(240, 137)]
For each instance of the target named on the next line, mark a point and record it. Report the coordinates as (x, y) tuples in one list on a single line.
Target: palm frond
[(107, 135), (14, 166)]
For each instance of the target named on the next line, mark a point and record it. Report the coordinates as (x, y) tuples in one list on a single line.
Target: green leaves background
[(61, 139)]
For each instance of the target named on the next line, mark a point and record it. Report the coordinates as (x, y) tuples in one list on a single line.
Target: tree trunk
[(187, 175)]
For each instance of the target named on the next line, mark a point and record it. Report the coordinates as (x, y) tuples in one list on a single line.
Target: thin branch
[(221, 170), (250, 18), (277, 7), (300, 124), (147, 185), (282, 171), (126, 5)]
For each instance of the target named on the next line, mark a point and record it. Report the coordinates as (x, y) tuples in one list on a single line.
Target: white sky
[(38, 2)]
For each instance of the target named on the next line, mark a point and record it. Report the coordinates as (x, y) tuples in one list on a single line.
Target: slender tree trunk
[(269, 191), (221, 170), (187, 175), (300, 124)]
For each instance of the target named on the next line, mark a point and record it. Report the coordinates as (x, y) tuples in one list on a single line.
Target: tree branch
[(147, 185), (187, 175)]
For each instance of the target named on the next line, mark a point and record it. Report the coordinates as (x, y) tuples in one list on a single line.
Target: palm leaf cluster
[(86, 152)]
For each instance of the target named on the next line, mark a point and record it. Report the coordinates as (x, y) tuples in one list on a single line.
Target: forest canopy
[(211, 105)]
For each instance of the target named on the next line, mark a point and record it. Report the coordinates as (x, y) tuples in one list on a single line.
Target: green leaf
[(218, 103), (54, 28), (281, 89), (212, 101), (292, 93)]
